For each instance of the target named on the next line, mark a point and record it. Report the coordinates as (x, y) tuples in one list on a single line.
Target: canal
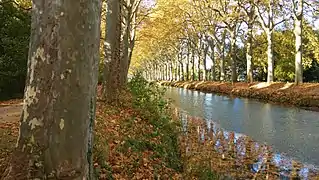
[(290, 131)]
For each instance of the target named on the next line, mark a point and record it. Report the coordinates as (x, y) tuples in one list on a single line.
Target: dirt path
[(9, 126), (10, 113)]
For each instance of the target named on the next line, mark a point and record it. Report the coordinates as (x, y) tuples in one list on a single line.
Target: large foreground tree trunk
[(55, 138)]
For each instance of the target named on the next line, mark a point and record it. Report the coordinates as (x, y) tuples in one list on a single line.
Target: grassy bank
[(305, 95)]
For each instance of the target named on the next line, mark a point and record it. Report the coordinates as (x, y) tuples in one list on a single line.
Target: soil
[(10, 112)]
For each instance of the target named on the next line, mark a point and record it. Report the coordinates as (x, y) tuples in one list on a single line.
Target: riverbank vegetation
[(304, 96)]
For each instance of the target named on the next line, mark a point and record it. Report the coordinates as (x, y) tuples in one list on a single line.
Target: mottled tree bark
[(222, 57), (249, 56), (233, 55), (193, 65), (178, 67), (187, 63), (168, 71), (175, 70), (249, 10), (110, 28), (212, 57), (222, 63), (55, 138), (113, 85), (130, 11), (182, 71), (298, 16), (198, 66), (270, 71), (171, 71), (205, 77), (126, 42), (268, 28)]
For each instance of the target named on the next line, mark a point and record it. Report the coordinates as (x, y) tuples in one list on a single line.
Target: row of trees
[(122, 20), (229, 40), (56, 126), (119, 19)]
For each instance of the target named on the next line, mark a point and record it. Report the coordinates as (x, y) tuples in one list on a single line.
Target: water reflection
[(290, 130), (240, 151)]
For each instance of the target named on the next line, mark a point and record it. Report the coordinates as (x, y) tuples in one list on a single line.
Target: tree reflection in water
[(236, 155)]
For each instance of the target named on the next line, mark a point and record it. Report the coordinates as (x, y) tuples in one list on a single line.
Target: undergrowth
[(138, 140)]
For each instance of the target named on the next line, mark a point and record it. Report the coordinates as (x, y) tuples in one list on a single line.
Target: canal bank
[(304, 96)]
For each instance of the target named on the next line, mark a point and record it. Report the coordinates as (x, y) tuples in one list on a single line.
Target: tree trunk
[(155, 72), (126, 44), (249, 53), (55, 138), (114, 79), (187, 64), (178, 71), (270, 74), (212, 57), (193, 65), (205, 77), (222, 59), (213, 71), (110, 28), (198, 67), (182, 71), (163, 71), (149, 72), (233, 55), (159, 72), (222, 64), (167, 73), (298, 16), (175, 71), (269, 32), (171, 71), (187, 71)]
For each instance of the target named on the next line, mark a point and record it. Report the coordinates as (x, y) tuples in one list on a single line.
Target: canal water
[(290, 131)]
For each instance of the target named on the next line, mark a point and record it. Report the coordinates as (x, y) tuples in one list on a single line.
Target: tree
[(268, 24), (298, 16), (229, 14), (55, 139), (250, 16), (112, 69), (130, 9)]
